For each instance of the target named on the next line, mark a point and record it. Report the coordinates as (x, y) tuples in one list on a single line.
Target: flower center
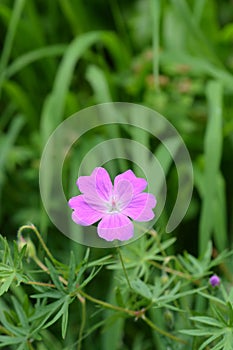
[(112, 206)]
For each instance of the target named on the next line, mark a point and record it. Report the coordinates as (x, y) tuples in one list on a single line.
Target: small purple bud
[(214, 280)]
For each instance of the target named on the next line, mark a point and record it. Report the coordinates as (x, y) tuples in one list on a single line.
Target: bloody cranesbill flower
[(214, 280), (113, 205)]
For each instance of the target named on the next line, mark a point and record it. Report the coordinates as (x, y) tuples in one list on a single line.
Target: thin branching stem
[(161, 331), (107, 305), (170, 270), (123, 267), (42, 284), (83, 321)]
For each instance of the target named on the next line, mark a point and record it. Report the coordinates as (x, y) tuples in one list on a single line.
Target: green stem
[(161, 331), (107, 305), (42, 284), (44, 268), (170, 270), (137, 314), (123, 266), (83, 322)]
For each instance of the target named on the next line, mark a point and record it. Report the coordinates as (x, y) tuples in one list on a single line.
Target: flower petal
[(139, 184), (123, 194), (83, 213), (140, 208), (115, 226), (96, 188)]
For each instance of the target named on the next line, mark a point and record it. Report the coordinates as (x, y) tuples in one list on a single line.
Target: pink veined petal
[(123, 194), (83, 213), (97, 186), (115, 226), (140, 208), (139, 184)]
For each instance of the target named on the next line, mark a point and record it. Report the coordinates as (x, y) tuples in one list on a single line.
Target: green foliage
[(164, 284), (59, 57)]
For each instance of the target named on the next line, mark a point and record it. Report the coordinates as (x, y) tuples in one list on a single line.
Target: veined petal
[(140, 208), (123, 194), (115, 226), (97, 187), (83, 213), (139, 184)]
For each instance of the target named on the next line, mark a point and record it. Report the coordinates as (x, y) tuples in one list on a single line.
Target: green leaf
[(141, 288), (54, 294), (207, 320), (7, 283), (55, 276), (65, 317), (72, 268), (208, 341), (211, 297), (228, 340), (8, 340), (93, 273), (201, 332), (211, 183), (21, 313), (65, 304)]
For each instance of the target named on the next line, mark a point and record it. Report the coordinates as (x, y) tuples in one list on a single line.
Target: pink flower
[(112, 205)]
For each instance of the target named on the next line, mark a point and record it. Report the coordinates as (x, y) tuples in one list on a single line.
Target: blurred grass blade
[(220, 214), (6, 144), (96, 77), (20, 97), (32, 56), (100, 85), (53, 110), (16, 13), (155, 11), (212, 154), (199, 42)]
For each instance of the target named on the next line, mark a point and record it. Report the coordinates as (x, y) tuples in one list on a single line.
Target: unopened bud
[(169, 319), (214, 280), (164, 278), (30, 250)]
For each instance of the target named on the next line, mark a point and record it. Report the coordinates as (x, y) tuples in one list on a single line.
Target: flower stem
[(83, 321), (123, 267)]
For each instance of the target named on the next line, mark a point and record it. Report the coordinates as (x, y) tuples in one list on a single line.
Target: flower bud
[(164, 278), (30, 250), (169, 319), (214, 281)]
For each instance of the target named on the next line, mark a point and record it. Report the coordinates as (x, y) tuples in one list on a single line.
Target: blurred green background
[(60, 56), (176, 57)]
